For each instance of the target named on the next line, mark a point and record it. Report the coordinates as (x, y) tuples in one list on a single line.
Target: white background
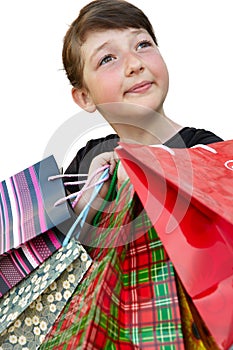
[(195, 39)]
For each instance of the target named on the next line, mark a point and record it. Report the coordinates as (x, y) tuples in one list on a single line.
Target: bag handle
[(206, 147), (87, 185), (83, 215), (80, 220)]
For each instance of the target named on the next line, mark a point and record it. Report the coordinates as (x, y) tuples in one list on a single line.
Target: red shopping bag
[(188, 194)]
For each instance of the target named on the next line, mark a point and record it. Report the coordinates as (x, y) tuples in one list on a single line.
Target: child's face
[(125, 66)]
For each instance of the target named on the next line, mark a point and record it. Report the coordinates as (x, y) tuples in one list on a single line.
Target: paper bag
[(27, 204), (188, 194), (128, 299), (18, 263)]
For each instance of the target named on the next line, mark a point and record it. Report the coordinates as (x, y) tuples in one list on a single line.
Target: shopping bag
[(35, 306), (18, 263), (187, 194), (27, 204), (21, 296), (128, 298)]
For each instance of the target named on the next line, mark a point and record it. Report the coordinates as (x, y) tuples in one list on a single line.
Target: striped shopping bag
[(18, 263), (27, 204), (32, 202)]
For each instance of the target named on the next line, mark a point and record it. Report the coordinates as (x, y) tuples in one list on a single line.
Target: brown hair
[(98, 15)]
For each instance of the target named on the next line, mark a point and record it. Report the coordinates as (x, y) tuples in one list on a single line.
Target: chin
[(151, 108)]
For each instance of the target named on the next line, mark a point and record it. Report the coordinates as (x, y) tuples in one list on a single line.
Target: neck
[(137, 124), (154, 131)]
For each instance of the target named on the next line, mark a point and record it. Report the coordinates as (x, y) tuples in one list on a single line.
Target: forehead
[(96, 40)]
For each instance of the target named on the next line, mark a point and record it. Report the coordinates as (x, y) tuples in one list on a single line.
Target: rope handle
[(207, 148), (83, 215), (87, 184)]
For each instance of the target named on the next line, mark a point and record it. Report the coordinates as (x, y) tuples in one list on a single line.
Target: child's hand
[(111, 159), (107, 158), (99, 161)]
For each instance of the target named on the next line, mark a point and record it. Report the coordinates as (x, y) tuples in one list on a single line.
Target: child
[(112, 60)]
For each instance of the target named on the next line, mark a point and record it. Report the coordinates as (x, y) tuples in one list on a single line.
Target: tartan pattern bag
[(128, 299)]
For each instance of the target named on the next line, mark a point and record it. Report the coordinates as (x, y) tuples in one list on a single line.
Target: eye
[(106, 59), (144, 43)]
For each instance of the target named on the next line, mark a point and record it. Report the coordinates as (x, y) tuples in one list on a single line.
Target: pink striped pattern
[(18, 263), (25, 209), (5, 229), (27, 204), (39, 199)]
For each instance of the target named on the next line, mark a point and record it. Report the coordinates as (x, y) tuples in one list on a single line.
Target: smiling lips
[(140, 88)]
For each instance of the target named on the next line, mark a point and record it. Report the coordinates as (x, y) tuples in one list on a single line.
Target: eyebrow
[(106, 43), (99, 48)]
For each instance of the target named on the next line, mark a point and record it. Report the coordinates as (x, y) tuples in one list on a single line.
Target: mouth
[(140, 88)]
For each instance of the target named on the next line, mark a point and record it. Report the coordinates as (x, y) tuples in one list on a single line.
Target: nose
[(133, 65)]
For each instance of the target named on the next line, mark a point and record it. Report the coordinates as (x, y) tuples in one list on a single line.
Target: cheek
[(164, 72), (107, 86), (158, 67)]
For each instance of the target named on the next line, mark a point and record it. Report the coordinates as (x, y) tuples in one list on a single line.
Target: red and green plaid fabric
[(128, 299)]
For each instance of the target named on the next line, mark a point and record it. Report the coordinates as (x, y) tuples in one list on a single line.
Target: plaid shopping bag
[(129, 297), (27, 204)]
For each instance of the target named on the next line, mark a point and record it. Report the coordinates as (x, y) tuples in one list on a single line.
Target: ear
[(83, 99)]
